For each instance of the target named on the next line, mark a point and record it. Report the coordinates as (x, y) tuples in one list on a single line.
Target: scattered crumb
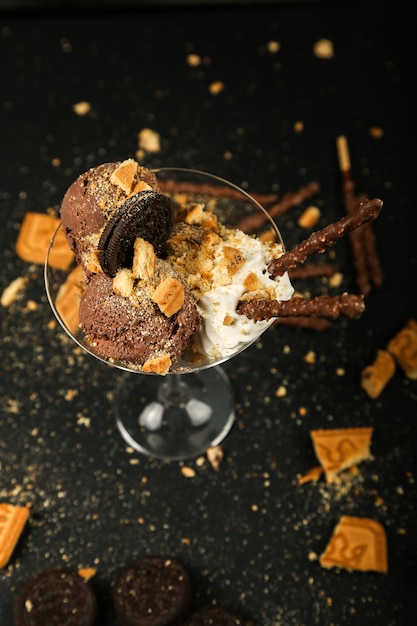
[(188, 472), (323, 49), (273, 46), (216, 87), (193, 60), (81, 108), (87, 572), (11, 292), (149, 140), (310, 357), (376, 132), (215, 456)]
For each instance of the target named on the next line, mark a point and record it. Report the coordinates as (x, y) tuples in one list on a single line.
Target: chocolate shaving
[(346, 304), (290, 200), (322, 239)]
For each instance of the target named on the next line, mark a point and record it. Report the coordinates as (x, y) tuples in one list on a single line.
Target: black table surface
[(249, 533)]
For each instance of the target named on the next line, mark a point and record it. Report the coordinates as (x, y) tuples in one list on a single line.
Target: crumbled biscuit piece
[(149, 140), (139, 186), (376, 376), (252, 282), (144, 259), (312, 475), (87, 572), (404, 348), (81, 108), (123, 282), (158, 365), (309, 217), (169, 296), (124, 175), (216, 87), (67, 302), (11, 292), (234, 259), (35, 236), (340, 448), (215, 456), (323, 49), (12, 521), (357, 543)]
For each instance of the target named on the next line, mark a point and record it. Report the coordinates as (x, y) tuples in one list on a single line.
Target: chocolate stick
[(322, 239), (312, 270), (366, 259), (346, 304), (288, 201)]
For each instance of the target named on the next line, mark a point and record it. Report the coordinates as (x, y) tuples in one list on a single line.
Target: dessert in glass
[(161, 265)]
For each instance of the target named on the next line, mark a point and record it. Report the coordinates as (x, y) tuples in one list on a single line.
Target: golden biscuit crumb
[(376, 376)]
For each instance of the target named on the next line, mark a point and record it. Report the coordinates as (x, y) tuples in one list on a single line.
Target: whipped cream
[(224, 331)]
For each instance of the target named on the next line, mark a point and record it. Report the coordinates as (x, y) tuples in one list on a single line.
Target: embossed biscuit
[(12, 521), (357, 543), (404, 348), (376, 376), (169, 296), (34, 237), (338, 449), (67, 302)]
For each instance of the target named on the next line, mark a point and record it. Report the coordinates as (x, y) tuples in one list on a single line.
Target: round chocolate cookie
[(55, 596), (213, 615), (152, 591)]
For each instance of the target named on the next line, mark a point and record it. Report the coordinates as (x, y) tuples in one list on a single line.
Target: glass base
[(175, 417)]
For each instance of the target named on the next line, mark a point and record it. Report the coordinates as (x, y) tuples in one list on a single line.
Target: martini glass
[(179, 415)]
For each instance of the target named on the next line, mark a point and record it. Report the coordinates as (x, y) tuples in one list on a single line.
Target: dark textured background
[(246, 533)]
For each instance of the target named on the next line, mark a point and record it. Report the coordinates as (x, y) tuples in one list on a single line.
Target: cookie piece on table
[(213, 615), (55, 596), (357, 543), (152, 591), (34, 237), (12, 522), (340, 448)]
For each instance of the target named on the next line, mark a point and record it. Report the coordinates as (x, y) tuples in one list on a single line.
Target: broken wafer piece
[(67, 302), (404, 348), (12, 521), (341, 448), (349, 305), (376, 376), (320, 240), (357, 543), (34, 237)]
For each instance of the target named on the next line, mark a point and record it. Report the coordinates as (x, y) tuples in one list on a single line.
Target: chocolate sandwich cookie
[(213, 615), (55, 596), (152, 591), (149, 215)]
